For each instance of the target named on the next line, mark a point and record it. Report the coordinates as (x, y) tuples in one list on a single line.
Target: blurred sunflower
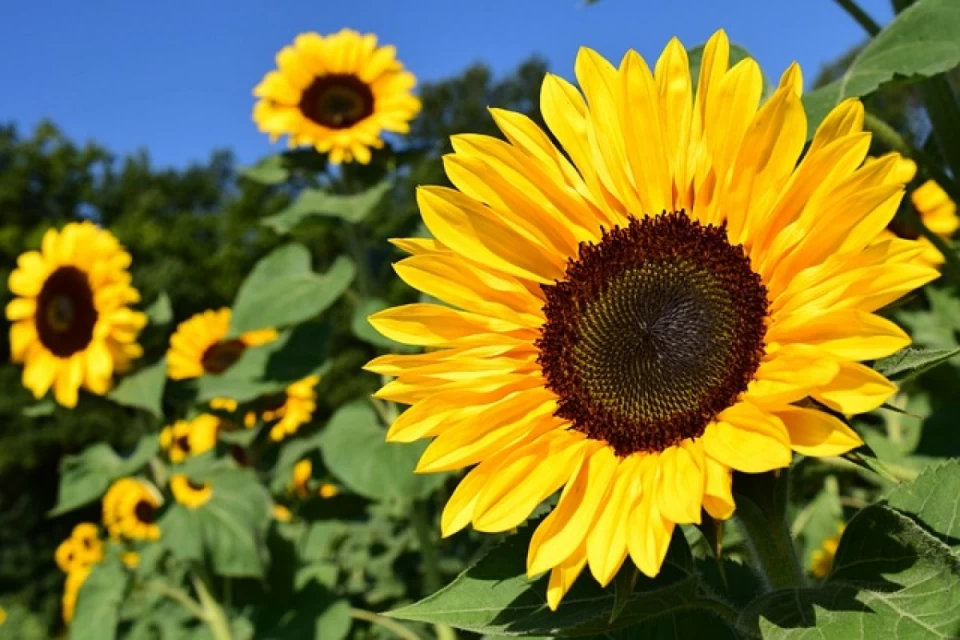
[(638, 315), (188, 493), (293, 409), (72, 326), (82, 549), (936, 210), (130, 559), (338, 93), (71, 589), (301, 478), (130, 509), (198, 346), (821, 560), (185, 438), (328, 490), (282, 513)]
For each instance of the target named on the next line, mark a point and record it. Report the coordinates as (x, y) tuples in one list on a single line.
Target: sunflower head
[(292, 409), (632, 318), (302, 472), (338, 93), (199, 345), (130, 559), (191, 494), (282, 513), (71, 590), (186, 438), (82, 549), (821, 560), (328, 490), (72, 326), (936, 209), (130, 509)]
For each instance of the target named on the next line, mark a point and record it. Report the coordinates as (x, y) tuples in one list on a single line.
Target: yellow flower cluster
[(75, 556), (130, 508), (186, 438)]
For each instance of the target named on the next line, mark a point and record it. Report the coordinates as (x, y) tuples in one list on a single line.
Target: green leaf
[(933, 499), (362, 328), (270, 170), (920, 42), (315, 614), (161, 311), (98, 604), (87, 476), (737, 53), (316, 202), (230, 529), (143, 389), (495, 597), (282, 290), (891, 579), (909, 363), (44, 408), (355, 451)]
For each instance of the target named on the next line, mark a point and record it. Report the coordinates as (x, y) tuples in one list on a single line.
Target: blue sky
[(175, 76)]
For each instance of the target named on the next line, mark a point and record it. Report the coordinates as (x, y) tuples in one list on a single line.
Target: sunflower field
[(645, 348)]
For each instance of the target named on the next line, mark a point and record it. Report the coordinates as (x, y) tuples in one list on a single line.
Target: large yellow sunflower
[(130, 509), (72, 326), (198, 346), (338, 93), (637, 316), (935, 208)]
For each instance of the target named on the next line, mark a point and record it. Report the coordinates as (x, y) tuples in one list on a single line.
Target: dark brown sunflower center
[(144, 511), (196, 486), (66, 314), (652, 332), (337, 101), (183, 443), (222, 355)]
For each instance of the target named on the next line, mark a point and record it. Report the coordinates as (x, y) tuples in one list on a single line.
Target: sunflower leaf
[(86, 476), (315, 202), (896, 573), (98, 603), (160, 311), (270, 170), (283, 290), (495, 597), (919, 43), (143, 389), (355, 451), (909, 363)]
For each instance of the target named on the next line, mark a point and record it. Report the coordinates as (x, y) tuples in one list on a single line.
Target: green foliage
[(354, 208), (143, 389), (99, 602)]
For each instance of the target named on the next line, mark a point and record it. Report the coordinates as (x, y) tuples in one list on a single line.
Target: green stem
[(761, 511), (891, 138), (214, 616), (719, 608), (431, 568), (179, 596), (862, 17), (391, 625), (358, 252)]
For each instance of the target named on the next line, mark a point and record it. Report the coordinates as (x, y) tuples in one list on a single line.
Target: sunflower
[(130, 559), (72, 326), (338, 93), (185, 438), (637, 316), (821, 560), (294, 408), (301, 478), (71, 590), (82, 549), (282, 513), (936, 210), (198, 346), (328, 490), (189, 493), (130, 509)]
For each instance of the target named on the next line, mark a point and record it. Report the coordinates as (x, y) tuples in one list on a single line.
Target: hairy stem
[(214, 616), (860, 16), (391, 625), (761, 512)]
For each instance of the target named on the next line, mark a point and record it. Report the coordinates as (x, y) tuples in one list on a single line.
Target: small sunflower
[(230, 405), (328, 490), (338, 93), (130, 509), (71, 590), (282, 513), (82, 549), (301, 478), (936, 210), (72, 326), (295, 408), (198, 346), (641, 314), (189, 493), (821, 560), (130, 559), (185, 438)]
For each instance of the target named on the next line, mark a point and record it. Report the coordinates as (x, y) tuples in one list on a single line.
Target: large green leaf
[(270, 170), (920, 42), (143, 389), (283, 290), (86, 476), (495, 597), (316, 202), (909, 363), (230, 529), (160, 312), (355, 451), (315, 614), (98, 604), (933, 498)]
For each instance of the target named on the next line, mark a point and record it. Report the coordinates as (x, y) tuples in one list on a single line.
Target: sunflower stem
[(214, 616), (177, 595), (390, 625), (761, 511), (891, 138), (860, 16)]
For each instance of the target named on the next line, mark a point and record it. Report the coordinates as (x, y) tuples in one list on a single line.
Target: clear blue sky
[(175, 76)]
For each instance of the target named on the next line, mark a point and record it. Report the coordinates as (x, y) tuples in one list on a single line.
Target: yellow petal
[(649, 532), (564, 575), (718, 493), (433, 325), (818, 434), (856, 389), (790, 373), (68, 382), (747, 439), (847, 334), (680, 491), (607, 538), (21, 309)]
